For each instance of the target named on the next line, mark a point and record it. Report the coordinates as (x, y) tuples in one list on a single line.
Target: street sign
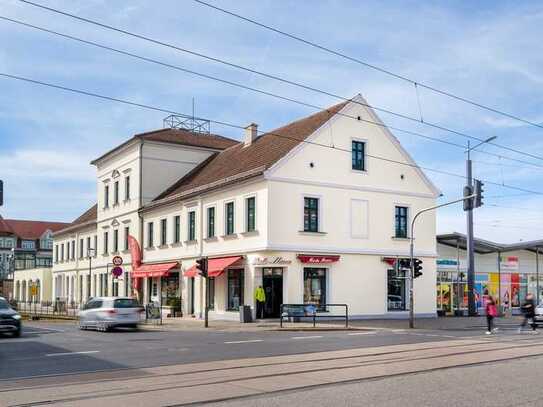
[(33, 290), (117, 271), (117, 261)]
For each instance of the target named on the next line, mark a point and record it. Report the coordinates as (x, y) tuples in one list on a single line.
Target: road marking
[(86, 352), (306, 337), (362, 333), (35, 329), (247, 341)]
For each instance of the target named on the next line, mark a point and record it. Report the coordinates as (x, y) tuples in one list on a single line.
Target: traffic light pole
[(206, 303), (469, 244), (412, 255)]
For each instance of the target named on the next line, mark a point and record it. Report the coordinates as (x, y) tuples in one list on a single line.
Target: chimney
[(251, 132)]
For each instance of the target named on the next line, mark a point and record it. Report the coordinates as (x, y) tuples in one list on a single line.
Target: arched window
[(18, 290), (38, 288)]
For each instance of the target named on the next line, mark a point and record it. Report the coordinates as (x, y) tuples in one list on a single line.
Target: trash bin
[(245, 314)]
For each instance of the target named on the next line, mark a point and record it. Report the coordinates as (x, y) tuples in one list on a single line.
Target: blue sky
[(486, 51)]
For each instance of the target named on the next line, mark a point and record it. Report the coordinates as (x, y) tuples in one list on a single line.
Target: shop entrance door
[(272, 282)]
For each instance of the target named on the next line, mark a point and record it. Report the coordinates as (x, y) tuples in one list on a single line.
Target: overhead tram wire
[(237, 126), (260, 91), (371, 66), (274, 77)]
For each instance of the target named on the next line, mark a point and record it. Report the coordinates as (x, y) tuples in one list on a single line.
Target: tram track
[(355, 362)]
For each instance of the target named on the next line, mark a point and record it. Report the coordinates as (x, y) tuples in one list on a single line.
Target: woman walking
[(491, 312)]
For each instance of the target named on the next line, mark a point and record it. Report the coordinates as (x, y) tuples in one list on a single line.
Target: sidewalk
[(443, 323)]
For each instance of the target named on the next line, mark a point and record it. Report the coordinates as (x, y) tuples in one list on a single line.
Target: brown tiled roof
[(32, 229), (265, 151), (182, 137), (87, 217), (4, 227)]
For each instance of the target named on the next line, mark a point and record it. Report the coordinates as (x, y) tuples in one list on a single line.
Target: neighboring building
[(311, 224), (507, 271), (25, 244), (41, 278)]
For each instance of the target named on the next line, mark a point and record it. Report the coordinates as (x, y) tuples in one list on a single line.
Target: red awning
[(154, 270), (215, 267), (313, 259)]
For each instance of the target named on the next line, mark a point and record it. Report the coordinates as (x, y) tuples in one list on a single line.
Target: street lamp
[(469, 240), (90, 253)]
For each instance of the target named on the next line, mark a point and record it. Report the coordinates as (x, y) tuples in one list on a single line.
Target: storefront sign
[(450, 264), (508, 263), (265, 261), (306, 258)]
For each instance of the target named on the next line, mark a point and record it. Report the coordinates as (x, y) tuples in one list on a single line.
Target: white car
[(538, 319), (105, 313)]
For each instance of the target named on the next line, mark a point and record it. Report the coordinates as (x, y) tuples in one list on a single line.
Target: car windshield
[(4, 304), (125, 303)]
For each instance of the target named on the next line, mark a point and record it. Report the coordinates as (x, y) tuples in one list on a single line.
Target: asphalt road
[(60, 348)]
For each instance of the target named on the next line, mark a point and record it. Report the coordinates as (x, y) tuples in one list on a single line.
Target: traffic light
[(405, 263), (468, 203), (417, 268), (478, 191), (201, 266)]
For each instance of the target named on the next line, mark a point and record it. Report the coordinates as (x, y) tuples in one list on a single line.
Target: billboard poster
[(515, 290), (505, 290)]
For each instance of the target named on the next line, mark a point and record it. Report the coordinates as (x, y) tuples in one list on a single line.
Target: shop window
[(397, 293), (358, 162), (400, 222), (211, 298), (235, 289), (170, 291), (315, 286), (250, 205), (311, 214)]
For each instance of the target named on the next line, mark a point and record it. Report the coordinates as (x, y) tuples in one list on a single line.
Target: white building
[(310, 223)]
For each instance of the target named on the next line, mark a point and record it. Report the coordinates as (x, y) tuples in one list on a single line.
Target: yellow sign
[(33, 290)]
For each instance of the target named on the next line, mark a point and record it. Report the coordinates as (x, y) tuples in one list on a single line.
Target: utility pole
[(412, 255), (472, 309)]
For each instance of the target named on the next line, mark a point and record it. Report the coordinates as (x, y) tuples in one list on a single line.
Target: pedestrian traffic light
[(201, 266), (468, 202), (478, 191), (417, 268)]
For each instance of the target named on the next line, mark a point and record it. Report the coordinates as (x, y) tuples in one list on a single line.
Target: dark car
[(10, 320)]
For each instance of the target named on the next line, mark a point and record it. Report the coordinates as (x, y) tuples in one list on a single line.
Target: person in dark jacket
[(528, 310)]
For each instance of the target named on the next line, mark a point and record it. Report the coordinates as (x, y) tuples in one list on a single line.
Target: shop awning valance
[(215, 267), (154, 270), (314, 259)]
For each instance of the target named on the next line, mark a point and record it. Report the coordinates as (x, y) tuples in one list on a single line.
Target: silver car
[(105, 313)]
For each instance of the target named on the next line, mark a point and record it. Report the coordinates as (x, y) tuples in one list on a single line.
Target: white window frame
[(366, 144), (246, 212), (206, 208), (225, 228), (408, 206), (321, 213)]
